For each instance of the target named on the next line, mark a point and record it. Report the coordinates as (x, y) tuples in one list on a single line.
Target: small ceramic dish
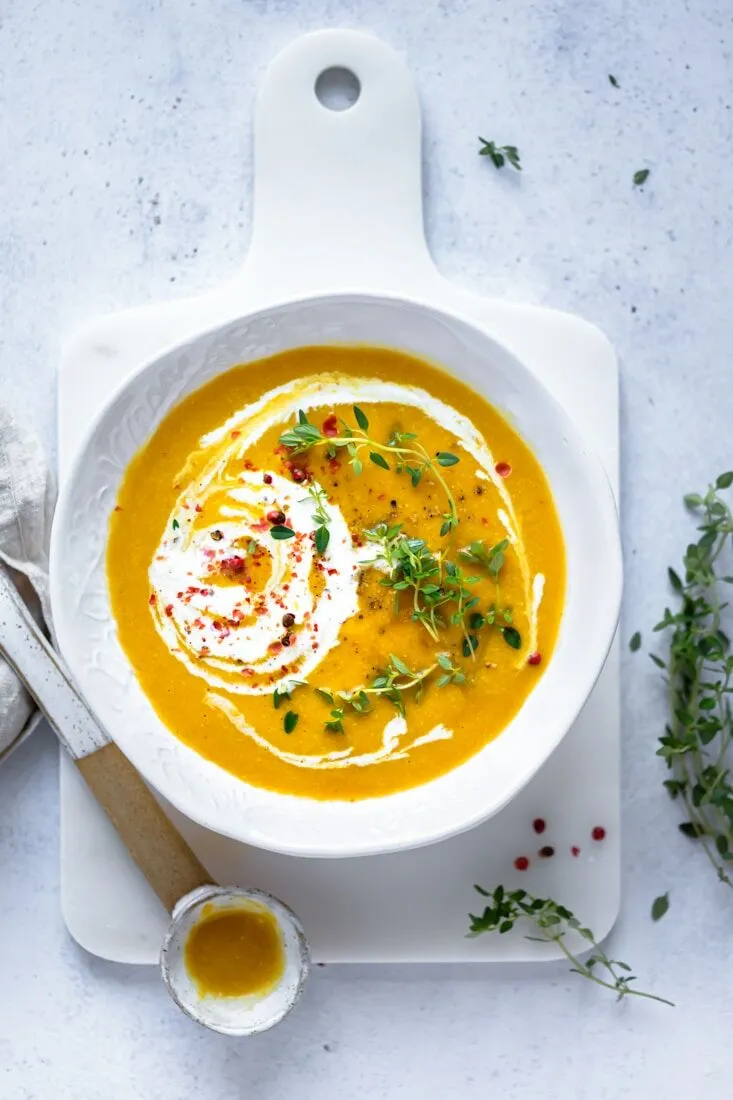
[(243, 1015), (455, 801)]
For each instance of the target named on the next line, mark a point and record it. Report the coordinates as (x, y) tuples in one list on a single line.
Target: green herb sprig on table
[(404, 450), (697, 743), (550, 923), (500, 154)]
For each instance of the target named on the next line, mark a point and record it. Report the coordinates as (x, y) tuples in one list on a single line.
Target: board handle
[(337, 193), (159, 850)]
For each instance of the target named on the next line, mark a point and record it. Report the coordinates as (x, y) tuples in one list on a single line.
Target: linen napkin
[(27, 498)]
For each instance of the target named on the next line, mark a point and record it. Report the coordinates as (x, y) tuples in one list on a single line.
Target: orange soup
[(337, 572), (235, 952)]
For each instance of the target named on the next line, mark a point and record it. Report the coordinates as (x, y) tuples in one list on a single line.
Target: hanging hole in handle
[(337, 89)]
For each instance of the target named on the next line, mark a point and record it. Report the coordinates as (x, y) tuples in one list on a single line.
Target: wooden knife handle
[(154, 843)]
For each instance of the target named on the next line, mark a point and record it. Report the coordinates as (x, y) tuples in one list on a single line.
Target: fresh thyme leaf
[(322, 536), (400, 665), (660, 906), (470, 645), (279, 531), (290, 721), (635, 642), (325, 694), (612, 79), (691, 829), (175, 525), (379, 460), (492, 557), (361, 418), (302, 436), (550, 923), (445, 458), (500, 153), (336, 724), (697, 743), (641, 176), (511, 636)]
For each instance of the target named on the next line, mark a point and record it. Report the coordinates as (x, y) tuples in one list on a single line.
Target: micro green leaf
[(290, 721), (660, 906), (361, 418), (635, 642), (279, 531), (379, 460)]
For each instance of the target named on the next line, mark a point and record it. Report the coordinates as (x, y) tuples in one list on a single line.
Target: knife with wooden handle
[(154, 843)]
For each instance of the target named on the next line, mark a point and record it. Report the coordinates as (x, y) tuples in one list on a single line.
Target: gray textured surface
[(125, 132)]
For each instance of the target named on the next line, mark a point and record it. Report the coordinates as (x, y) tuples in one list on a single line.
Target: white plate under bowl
[(205, 792)]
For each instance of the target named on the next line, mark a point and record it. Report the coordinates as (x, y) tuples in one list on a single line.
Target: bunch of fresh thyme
[(550, 923), (440, 590), (408, 455), (697, 739)]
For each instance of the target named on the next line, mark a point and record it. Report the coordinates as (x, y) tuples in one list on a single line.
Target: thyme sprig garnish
[(440, 590), (697, 744), (412, 458), (550, 923), (321, 518), (433, 582), (285, 692), (393, 682), (491, 557)]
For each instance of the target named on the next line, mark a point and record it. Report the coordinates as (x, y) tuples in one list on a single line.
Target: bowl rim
[(443, 828)]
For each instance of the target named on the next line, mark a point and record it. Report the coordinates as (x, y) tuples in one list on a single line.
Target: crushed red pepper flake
[(521, 863), (503, 469), (539, 824), (599, 833)]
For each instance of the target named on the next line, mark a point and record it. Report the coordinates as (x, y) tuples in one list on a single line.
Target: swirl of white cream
[(227, 633)]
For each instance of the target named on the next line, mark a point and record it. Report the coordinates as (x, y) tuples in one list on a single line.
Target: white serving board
[(338, 207)]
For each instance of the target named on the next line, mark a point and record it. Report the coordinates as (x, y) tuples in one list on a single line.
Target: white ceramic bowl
[(471, 792)]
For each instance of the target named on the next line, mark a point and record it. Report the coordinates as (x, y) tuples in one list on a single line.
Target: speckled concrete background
[(125, 138)]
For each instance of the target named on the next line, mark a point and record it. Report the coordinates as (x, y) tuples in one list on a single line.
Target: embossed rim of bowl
[(453, 802)]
